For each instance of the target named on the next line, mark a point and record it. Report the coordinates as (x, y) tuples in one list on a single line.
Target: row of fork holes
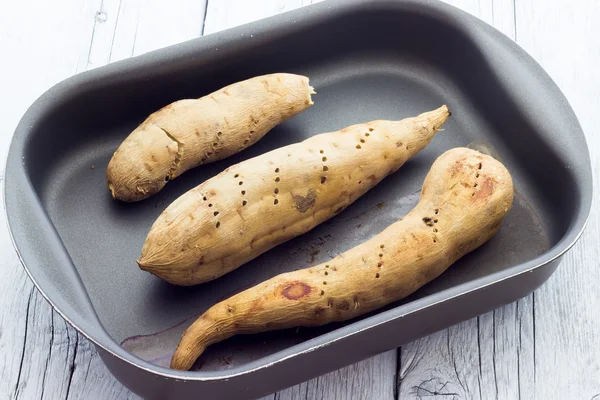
[(215, 213)]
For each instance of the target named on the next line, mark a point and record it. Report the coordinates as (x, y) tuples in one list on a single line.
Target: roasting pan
[(367, 60)]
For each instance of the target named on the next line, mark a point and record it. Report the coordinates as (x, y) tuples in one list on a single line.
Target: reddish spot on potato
[(456, 167), (296, 290), (372, 178), (487, 188)]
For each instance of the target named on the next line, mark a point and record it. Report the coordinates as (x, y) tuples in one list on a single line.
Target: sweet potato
[(463, 201), (188, 133), (255, 205)]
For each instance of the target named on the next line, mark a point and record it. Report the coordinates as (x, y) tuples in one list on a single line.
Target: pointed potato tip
[(112, 191), (439, 116)]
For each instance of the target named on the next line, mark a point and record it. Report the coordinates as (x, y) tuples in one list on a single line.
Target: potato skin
[(253, 206), (192, 132), (463, 201)]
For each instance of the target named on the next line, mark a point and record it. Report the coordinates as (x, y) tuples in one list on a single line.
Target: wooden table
[(546, 346)]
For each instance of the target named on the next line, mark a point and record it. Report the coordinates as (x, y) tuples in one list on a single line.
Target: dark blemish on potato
[(343, 305), (304, 203), (398, 144), (296, 290), (201, 261), (338, 210), (372, 178), (428, 221)]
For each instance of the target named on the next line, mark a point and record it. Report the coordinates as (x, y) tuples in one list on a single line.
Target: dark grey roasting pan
[(367, 60)]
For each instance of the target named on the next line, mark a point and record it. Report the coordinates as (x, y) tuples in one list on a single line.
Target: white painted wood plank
[(373, 378), (223, 14), (163, 23), (565, 40)]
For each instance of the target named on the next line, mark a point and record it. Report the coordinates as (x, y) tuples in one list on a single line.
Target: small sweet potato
[(463, 201), (255, 205), (189, 133)]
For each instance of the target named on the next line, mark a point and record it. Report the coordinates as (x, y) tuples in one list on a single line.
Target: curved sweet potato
[(463, 201)]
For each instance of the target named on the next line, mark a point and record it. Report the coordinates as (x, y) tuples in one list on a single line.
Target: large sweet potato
[(463, 201), (253, 206)]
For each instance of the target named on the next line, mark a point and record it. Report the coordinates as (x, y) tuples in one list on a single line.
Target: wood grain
[(544, 346)]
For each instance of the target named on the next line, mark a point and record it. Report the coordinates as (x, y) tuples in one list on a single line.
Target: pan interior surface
[(364, 66)]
